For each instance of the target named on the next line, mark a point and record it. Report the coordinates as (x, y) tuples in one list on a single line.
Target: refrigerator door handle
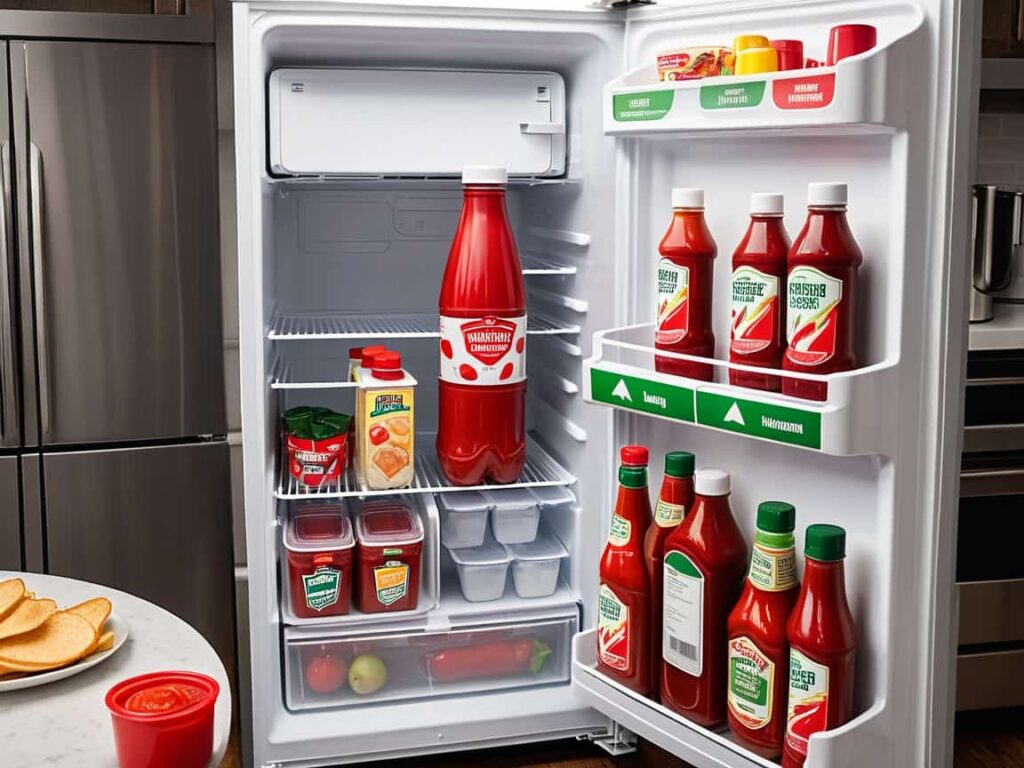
[(39, 277), (8, 394)]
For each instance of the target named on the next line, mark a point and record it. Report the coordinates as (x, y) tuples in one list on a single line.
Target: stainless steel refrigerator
[(112, 408)]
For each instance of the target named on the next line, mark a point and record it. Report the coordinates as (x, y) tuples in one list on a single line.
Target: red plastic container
[(389, 545), (481, 432), (848, 40), (182, 738), (319, 543), (791, 54)]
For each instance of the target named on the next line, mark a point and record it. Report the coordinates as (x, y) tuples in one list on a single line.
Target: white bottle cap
[(484, 174), (687, 197), (826, 193), (770, 203), (711, 482)]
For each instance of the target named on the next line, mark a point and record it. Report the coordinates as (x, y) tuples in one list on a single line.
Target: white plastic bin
[(535, 565), (463, 518), (514, 515), (482, 571)]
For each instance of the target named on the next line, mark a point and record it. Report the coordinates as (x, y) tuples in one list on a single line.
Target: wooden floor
[(983, 740)]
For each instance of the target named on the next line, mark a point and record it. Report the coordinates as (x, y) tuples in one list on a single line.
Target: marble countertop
[(66, 723)]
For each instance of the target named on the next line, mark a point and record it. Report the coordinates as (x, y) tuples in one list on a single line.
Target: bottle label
[(673, 302), (751, 682), (812, 300), (772, 569), (483, 351), (618, 534), (683, 606), (391, 581), (755, 310), (612, 630), (321, 587), (808, 700), (668, 515)]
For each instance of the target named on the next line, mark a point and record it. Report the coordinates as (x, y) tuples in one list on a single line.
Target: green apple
[(367, 674)]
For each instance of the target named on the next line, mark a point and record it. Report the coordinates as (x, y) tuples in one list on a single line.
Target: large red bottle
[(623, 603), (758, 294), (675, 498), (482, 388), (821, 293), (822, 646), (705, 562), (685, 285)]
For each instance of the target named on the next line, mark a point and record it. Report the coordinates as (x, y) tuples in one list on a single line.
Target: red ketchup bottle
[(821, 293), (685, 282), (758, 293), (675, 498), (823, 645), (758, 647), (623, 602), (481, 433), (705, 562)]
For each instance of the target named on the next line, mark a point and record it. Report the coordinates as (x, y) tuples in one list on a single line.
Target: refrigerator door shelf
[(540, 470), (467, 660), (864, 92), (700, 746), (852, 421)]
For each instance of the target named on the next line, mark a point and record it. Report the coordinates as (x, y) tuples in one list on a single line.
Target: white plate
[(114, 624)]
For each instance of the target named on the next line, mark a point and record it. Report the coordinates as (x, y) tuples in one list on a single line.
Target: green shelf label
[(736, 96), (642, 395), (748, 417), (650, 105)]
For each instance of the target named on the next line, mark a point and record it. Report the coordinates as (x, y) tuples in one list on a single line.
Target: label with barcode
[(683, 601)]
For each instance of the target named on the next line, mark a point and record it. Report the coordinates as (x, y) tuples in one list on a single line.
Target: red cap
[(387, 365), (355, 353), (791, 53), (811, 64), (369, 353), (848, 40), (634, 456)]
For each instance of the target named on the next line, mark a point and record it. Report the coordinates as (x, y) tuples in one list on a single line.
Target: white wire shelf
[(540, 470), (535, 264), (414, 325)]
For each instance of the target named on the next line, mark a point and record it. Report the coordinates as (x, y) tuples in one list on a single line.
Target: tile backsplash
[(1001, 149)]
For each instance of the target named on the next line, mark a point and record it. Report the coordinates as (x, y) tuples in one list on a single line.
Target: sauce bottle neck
[(825, 580)]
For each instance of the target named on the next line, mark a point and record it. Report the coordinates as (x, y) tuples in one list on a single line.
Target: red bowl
[(179, 739)]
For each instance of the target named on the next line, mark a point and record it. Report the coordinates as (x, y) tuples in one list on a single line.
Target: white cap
[(687, 197), (767, 202), (711, 482), (484, 174), (826, 193)]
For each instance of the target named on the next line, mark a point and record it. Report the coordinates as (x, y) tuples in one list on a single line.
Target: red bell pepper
[(494, 659)]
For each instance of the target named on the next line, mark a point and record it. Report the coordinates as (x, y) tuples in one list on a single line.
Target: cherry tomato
[(325, 673), (379, 434)]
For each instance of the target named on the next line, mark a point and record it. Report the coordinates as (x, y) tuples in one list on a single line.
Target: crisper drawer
[(419, 122), (325, 672)]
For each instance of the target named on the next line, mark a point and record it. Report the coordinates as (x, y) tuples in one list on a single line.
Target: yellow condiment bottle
[(742, 42), (755, 61)]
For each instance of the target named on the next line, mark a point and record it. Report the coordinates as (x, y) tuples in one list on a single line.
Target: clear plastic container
[(482, 571), (514, 515), (463, 519), (535, 565)]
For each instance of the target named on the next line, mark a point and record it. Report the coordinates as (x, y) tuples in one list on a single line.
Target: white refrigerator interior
[(343, 243)]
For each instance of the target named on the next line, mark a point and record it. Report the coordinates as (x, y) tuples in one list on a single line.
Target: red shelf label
[(805, 92)]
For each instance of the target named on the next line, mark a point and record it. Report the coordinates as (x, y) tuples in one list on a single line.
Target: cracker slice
[(12, 592), (26, 616), (60, 640)]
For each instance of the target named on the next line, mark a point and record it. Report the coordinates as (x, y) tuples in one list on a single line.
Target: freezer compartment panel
[(469, 659), (513, 119), (866, 92)]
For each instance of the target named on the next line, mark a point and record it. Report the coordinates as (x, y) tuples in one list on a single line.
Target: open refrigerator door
[(334, 254)]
